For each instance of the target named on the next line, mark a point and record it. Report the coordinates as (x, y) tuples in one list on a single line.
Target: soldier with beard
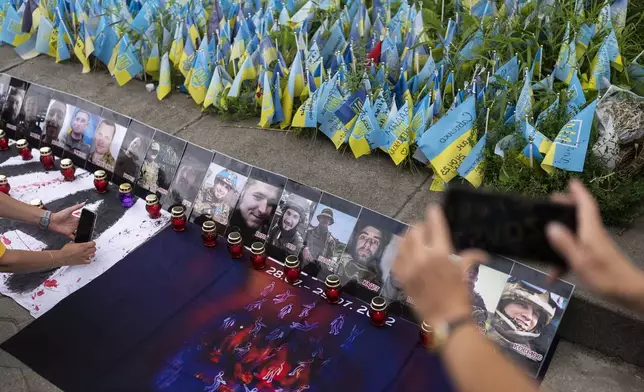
[(214, 201), (54, 121), (361, 260), (30, 123), (522, 314), (284, 234)]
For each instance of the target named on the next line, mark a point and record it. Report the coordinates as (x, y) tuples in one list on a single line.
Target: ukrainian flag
[(567, 59), (535, 70), (248, 71), (152, 66), (165, 85), (12, 28), (599, 70), (127, 62), (79, 49), (473, 166), (44, 36), (200, 74), (268, 110), (526, 100), (176, 49), (293, 89), (397, 134), (541, 142), (62, 51), (187, 58), (366, 133)]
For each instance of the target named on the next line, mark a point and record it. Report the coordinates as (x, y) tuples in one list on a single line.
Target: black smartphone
[(507, 225), (85, 229)]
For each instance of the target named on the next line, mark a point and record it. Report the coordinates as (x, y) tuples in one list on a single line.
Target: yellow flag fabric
[(164, 87), (79, 51)]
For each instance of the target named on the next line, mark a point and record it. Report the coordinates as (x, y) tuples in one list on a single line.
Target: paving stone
[(8, 58), (12, 380), (8, 328), (11, 310)]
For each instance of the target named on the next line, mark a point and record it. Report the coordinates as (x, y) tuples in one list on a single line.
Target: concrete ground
[(372, 181)]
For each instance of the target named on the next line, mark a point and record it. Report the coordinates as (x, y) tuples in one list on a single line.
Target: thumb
[(73, 208), (563, 241)]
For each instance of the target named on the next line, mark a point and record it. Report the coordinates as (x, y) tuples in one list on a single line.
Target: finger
[(470, 257), (554, 273), (73, 208), (72, 236), (440, 236), (587, 209), (562, 198), (563, 241)]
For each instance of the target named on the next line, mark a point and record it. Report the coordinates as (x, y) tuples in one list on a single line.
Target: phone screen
[(506, 225), (85, 228)]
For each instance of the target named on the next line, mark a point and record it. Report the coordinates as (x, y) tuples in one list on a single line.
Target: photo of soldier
[(292, 218), (11, 109), (132, 152), (33, 114), (159, 165), (256, 206), (59, 114), (485, 284), (108, 138), (5, 81), (220, 191), (190, 174)]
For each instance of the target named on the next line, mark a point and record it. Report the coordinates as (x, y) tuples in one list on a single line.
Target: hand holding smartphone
[(513, 226), (86, 223)]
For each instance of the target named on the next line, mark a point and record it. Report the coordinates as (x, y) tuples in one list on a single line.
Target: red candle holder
[(235, 246), (258, 256), (332, 289), (426, 335), (46, 158), (38, 203), (153, 207), (4, 185), (100, 181), (24, 150), (209, 234), (178, 218), (4, 142), (378, 311), (67, 169), (292, 269)]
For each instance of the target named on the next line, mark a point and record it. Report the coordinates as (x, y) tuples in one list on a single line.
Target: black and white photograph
[(59, 114), (132, 152), (292, 217), (10, 116), (33, 114), (106, 144), (256, 206), (5, 81), (160, 165), (77, 136), (217, 197), (190, 174)]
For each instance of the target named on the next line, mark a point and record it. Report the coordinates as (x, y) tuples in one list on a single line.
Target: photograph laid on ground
[(190, 174), (109, 135), (326, 237), (14, 99), (365, 265), (5, 81), (291, 220), (159, 165), (78, 135), (220, 190), (33, 114), (256, 206), (132, 152), (527, 316), (59, 114), (486, 285)]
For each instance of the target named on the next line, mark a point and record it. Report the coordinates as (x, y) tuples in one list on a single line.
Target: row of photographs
[(513, 304)]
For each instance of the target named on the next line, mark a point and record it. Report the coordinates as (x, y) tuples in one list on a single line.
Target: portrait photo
[(218, 195), (188, 179), (33, 114), (132, 151), (256, 206), (58, 116), (13, 104), (160, 163), (106, 144), (485, 285), (77, 134), (5, 81), (292, 218)]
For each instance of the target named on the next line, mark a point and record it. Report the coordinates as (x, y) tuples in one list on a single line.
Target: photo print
[(33, 114), (528, 315), (190, 174), (220, 190), (486, 283), (159, 165), (77, 136), (256, 206), (365, 265), (132, 152), (13, 101), (5, 81), (106, 144), (291, 221), (328, 233), (59, 115)]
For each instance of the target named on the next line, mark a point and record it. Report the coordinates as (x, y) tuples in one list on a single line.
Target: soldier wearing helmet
[(284, 234), (215, 200), (520, 317), (319, 241)]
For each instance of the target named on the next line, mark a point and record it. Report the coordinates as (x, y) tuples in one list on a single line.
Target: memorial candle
[(46, 158), (152, 206), (126, 197), (24, 150), (378, 311), (258, 256), (4, 142), (178, 219), (4, 184), (67, 169), (209, 233), (292, 269), (100, 181), (332, 289), (235, 246)]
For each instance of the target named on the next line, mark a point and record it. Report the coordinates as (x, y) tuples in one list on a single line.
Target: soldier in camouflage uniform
[(213, 201), (361, 259), (479, 311), (319, 241), (284, 234)]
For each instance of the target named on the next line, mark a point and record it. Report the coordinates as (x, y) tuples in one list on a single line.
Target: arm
[(29, 261), (11, 208)]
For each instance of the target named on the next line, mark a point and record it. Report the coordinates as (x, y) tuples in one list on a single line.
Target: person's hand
[(64, 222), (429, 272), (76, 254), (307, 255), (591, 253)]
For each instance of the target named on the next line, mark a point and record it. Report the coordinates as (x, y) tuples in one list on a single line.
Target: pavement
[(600, 342)]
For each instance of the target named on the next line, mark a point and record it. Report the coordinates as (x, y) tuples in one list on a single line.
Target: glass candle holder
[(292, 269), (235, 246), (100, 181), (4, 142), (426, 335), (378, 311), (4, 185), (46, 158), (332, 289), (24, 150), (67, 169), (126, 197), (38, 203), (209, 233), (178, 218), (258, 255), (152, 206)]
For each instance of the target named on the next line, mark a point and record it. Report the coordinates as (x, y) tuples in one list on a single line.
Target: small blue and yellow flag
[(44, 36), (268, 110), (187, 58), (473, 166), (165, 84), (420, 120), (350, 109), (567, 59), (576, 98), (153, 64), (525, 102), (294, 88), (79, 49), (599, 70), (397, 135), (535, 69), (248, 71), (176, 49), (277, 104), (200, 75), (62, 51), (366, 134), (12, 28), (127, 64), (105, 42), (541, 142)]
